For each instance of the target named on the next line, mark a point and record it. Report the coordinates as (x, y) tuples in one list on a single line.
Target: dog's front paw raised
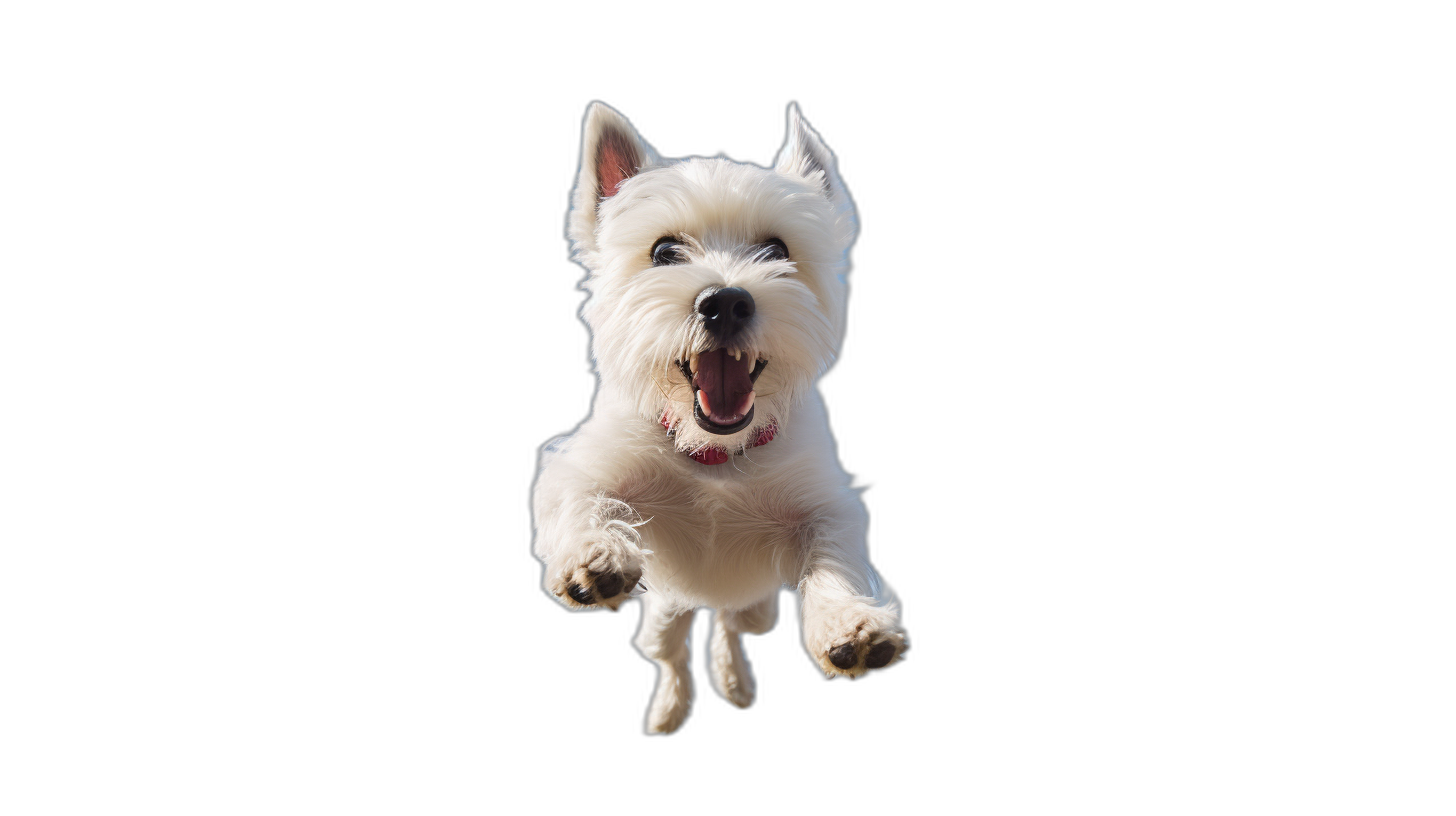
[(603, 575), (855, 638)]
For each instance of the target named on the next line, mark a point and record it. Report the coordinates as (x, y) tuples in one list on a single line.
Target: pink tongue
[(725, 392)]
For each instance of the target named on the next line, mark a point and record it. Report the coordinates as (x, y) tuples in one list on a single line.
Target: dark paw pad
[(608, 583), (843, 656), (581, 594), (879, 656)]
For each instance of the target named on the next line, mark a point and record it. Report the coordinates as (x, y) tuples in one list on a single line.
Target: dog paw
[(603, 576), (856, 639)]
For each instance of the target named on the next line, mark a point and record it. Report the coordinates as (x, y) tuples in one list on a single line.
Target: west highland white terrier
[(706, 475)]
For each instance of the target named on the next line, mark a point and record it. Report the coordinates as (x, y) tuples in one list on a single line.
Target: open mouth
[(722, 383)]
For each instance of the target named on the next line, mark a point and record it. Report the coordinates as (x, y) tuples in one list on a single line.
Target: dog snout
[(725, 311)]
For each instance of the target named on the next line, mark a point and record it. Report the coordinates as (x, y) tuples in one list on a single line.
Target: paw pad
[(846, 657), (591, 588), (880, 655), (843, 656), (609, 584), (581, 594)]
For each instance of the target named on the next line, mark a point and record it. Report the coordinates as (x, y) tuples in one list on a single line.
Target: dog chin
[(689, 434)]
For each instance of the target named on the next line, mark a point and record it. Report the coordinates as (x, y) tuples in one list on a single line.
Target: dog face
[(717, 289)]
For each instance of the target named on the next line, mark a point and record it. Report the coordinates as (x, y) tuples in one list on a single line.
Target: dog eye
[(771, 250), (667, 251)]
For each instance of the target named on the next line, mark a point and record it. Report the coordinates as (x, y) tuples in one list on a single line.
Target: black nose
[(726, 311)]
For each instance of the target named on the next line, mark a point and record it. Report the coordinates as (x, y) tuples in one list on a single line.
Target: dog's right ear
[(611, 153)]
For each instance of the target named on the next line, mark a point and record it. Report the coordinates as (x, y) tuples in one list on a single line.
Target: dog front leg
[(851, 622), (587, 539)]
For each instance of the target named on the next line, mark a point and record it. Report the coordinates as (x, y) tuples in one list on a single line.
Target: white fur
[(621, 496)]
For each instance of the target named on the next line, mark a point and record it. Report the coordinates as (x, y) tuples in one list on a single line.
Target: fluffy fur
[(620, 507)]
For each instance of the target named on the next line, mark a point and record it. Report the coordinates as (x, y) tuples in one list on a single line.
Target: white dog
[(706, 474)]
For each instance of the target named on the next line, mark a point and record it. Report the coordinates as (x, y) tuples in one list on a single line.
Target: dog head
[(717, 288)]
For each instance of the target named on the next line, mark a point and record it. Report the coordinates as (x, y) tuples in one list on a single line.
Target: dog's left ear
[(611, 153), (804, 155)]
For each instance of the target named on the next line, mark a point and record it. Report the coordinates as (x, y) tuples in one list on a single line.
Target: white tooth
[(737, 354), (693, 364)]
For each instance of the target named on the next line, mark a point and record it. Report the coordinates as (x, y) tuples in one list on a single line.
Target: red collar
[(714, 455)]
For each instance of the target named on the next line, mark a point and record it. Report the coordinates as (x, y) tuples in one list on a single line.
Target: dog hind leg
[(663, 639), (731, 673)]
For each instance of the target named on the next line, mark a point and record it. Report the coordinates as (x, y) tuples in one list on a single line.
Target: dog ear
[(611, 153), (804, 155)]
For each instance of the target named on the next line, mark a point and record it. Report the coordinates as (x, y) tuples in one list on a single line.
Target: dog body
[(706, 474)]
